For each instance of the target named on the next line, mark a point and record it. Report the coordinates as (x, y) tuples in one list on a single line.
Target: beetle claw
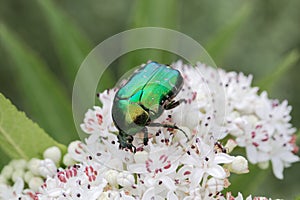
[(126, 142)]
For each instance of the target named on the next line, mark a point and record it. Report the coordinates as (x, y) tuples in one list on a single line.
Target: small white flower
[(15, 192), (76, 182), (77, 151), (276, 115), (95, 121), (161, 161), (205, 162)]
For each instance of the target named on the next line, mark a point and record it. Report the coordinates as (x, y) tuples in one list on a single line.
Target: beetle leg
[(129, 144), (172, 104), (169, 126), (145, 130), (132, 148), (126, 142)]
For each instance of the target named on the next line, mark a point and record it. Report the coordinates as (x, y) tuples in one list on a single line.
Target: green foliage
[(280, 71), (297, 198), (166, 15), (41, 91), (21, 138), (220, 41), (71, 46), (155, 13)]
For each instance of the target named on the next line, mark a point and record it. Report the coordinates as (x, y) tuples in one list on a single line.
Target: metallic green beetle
[(144, 97)]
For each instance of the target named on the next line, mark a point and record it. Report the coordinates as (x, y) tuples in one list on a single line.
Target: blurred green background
[(43, 42)]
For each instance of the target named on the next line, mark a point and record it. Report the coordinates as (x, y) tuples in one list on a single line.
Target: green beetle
[(144, 97)]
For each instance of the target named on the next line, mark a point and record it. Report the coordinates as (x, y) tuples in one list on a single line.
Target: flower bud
[(111, 177), (3, 180), (18, 164), (68, 160), (19, 173), (125, 179), (27, 176), (35, 183), (239, 165), (7, 171), (47, 168), (263, 165), (33, 166), (53, 153)]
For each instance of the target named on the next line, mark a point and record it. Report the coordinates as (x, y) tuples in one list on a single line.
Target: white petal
[(251, 154), (217, 172), (249, 197), (196, 177), (137, 168), (150, 195), (277, 166), (289, 157), (263, 157), (171, 196), (223, 158), (19, 185), (240, 197), (168, 182)]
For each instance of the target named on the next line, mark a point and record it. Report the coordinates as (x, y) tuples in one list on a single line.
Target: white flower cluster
[(187, 163), (256, 123), (31, 174)]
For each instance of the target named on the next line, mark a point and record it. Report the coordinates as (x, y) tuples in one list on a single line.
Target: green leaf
[(19, 136), (219, 42), (71, 46), (42, 94), (4, 159), (286, 63)]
